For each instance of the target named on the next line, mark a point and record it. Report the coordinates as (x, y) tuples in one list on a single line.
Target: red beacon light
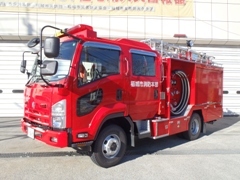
[(180, 35)]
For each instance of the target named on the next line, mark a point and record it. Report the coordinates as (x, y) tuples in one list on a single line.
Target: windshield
[(67, 50), (64, 59)]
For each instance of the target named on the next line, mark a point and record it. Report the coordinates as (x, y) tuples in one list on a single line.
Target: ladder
[(178, 52)]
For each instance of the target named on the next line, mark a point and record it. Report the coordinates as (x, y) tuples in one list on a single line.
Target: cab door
[(97, 83), (143, 84)]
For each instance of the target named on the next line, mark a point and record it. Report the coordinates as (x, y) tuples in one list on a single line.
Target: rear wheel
[(110, 146), (194, 127)]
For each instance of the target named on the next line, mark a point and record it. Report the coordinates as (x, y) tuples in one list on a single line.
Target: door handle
[(155, 94), (119, 95)]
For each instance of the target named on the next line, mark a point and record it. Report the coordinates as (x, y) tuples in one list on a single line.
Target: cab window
[(98, 61), (143, 65)]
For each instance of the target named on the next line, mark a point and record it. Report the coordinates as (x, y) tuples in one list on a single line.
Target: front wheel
[(109, 147), (194, 127)]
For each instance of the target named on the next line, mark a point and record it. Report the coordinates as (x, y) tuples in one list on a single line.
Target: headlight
[(59, 114)]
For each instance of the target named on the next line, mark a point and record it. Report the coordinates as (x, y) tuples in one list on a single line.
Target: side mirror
[(49, 68), (23, 66), (33, 42), (51, 47)]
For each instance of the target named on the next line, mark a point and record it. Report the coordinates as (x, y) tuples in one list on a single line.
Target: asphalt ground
[(215, 155)]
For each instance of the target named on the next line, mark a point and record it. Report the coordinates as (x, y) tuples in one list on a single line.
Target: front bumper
[(53, 138)]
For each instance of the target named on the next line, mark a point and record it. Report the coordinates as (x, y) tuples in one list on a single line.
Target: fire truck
[(100, 94)]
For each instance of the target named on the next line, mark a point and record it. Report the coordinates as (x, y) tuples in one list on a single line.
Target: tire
[(194, 127), (109, 147)]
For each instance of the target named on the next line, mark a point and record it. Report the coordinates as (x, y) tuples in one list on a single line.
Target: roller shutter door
[(12, 81)]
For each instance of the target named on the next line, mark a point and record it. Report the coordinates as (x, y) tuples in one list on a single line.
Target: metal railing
[(178, 52)]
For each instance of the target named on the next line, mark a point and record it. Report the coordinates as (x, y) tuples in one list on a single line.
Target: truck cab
[(84, 84)]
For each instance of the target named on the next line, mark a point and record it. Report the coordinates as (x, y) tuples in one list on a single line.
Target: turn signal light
[(82, 135)]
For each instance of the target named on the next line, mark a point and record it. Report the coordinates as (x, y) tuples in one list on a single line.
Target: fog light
[(82, 135), (53, 139)]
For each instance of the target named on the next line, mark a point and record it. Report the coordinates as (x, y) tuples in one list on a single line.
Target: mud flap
[(204, 128)]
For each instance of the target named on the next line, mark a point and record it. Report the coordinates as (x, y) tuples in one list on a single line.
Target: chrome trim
[(160, 120), (101, 45), (157, 127), (158, 137)]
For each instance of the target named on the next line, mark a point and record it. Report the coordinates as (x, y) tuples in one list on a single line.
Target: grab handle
[(126, 73)]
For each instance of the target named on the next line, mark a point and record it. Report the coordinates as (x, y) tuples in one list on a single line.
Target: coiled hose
[(183, 102)]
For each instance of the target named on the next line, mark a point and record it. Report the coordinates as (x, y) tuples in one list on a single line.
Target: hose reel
[(180, 92)]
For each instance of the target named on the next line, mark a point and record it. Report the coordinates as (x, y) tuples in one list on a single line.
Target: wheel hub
[(111, 146), (195, 127)]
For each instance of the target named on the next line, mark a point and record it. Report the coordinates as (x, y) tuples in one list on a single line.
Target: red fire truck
[(86, 91)]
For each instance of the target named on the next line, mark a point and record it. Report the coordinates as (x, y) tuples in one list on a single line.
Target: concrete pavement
[(215, 155)]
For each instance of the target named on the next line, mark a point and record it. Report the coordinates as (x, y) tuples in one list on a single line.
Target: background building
[(213, 25)]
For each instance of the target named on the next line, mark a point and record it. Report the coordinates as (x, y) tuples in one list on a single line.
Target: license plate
[(30, 132)]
